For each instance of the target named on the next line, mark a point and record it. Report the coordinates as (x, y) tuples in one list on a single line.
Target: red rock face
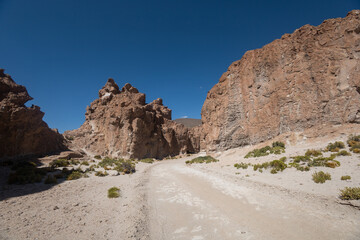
[(121, 124), (22, 130), (304, 79)]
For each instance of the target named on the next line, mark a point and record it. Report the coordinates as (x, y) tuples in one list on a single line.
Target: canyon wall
[(308, 78)]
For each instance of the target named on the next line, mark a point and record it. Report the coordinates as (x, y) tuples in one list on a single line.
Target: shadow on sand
[(8, 191)]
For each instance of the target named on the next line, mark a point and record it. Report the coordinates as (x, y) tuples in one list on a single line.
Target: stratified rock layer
[(22, 130), (304, 79), (121, 124)]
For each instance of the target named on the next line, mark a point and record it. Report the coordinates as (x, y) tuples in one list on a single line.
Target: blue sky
[(64, 51)]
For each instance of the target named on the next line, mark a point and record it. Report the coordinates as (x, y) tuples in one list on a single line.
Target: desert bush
[(108, 162), (50, 179), (97, 157), (24, 172), (259, 152), (85, 163), (273, 171), (278, 165), (92, 167), (278, 144), (356, 150), (113, 192), (321, 177), (343, 153), (335, 147), (313, 152), (277, 150), (261, 166), (205, 159), (241, 165), (101, 173), (353, 140), (147, 160), (332, 164), (59, 163), (125, 166), (74, 162), (350, 193), (346, 177), (298, 159), (74, 175)]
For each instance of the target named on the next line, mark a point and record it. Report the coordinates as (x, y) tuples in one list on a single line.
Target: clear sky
[(64, 51)]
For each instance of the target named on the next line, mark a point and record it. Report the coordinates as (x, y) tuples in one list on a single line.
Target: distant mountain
[(189, 122)]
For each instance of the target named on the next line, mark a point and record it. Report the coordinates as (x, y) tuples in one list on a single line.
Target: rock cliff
[(22, 130), (308, 78), (120, 124)]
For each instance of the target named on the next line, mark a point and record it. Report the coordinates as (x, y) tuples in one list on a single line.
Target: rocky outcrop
[(308, 78), (22, 130), (120, 124)]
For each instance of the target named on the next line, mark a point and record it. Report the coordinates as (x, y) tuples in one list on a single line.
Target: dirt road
[(191, 203)]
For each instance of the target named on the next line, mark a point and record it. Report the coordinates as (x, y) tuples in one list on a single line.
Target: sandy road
[(188, 203)]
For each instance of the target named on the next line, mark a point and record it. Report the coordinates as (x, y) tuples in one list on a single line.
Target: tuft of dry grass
[(113, 192)]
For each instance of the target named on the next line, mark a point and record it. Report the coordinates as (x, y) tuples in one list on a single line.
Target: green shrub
[(313, 152), (50, 179), (299, 167), (107, 162), (205, 159), (241, 165), (354, 143), (259, 152), (125, 166), (277, 150), (26, 172), (278, 144), (101, 173), (343, 153), (335, 147), (97, 157), (74, 162), (114, 192), (321, 177), (278, 165), (350, 193), (298, 159), (273, 171), (85, 163), (147, 160), (59, 163), (74, 175), (346, 177)]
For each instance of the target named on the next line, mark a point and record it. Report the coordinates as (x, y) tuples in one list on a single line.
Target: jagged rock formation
[(304, 79), (121, 124), (22, 130)]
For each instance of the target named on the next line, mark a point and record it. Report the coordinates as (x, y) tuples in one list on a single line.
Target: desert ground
[(170, 199)]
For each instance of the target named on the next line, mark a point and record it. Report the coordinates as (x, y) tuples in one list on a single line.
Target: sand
[(171, 200)]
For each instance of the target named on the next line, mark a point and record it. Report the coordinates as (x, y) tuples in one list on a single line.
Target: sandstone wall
[(22, 130), (307, 78)]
